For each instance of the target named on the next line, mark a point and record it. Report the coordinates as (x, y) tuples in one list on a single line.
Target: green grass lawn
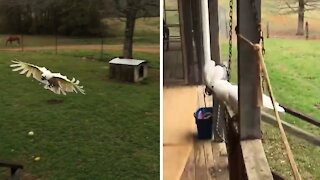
[(152, 58), (112, 132), (294, 67), (147, 30)]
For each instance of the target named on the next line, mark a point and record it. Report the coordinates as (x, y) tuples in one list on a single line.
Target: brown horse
[(12, 39)]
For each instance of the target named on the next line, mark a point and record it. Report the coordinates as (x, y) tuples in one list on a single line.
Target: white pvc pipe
[(205, 30)]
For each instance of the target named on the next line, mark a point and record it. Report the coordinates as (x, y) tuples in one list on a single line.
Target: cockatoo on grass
[(54, 82)]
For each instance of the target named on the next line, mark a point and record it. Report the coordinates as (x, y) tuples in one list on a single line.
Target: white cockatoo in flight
[(215, 79), (54, 82)]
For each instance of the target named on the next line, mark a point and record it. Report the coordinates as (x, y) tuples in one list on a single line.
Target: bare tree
[(300, 7), (131, 10), (300, 30)]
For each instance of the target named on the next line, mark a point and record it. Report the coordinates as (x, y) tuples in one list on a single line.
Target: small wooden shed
[(131, 70)]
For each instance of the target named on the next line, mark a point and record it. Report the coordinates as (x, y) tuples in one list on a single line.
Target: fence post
[(56, 42), (268, 31), (101, 56), (55, 27), (21, 42), (21, 32), (307, 30)]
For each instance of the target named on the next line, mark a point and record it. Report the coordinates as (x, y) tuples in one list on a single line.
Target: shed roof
[(130, 62)]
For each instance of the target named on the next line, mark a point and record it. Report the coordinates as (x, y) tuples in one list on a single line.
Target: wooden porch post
[(248, 71), (185, 13), (253, 155), (198, 36)]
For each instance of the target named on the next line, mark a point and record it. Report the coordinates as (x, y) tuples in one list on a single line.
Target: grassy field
[(112, 132), (294, 67), (145, 28), (146, 32), (283, 24), (152, 58)]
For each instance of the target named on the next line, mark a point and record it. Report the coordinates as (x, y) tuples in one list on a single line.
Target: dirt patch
[(144, 48), (285, 26), (54, 101), (28, 176)]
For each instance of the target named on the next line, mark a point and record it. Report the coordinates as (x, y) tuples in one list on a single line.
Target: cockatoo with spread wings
[(54, 82)]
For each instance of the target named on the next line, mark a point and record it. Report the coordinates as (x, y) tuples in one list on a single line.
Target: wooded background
[(72, 17)]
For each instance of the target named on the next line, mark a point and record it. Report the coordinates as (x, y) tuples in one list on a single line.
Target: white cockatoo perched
[(215, 78), (54, 82), (212, 73), (228, 92)]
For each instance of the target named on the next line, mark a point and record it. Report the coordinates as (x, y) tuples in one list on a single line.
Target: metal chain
[(217, 125), (230, 38), (228, 68), (261, 38), (258, 24)]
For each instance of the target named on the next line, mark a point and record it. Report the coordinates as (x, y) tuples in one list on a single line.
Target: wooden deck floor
[(208, 161), (184, 156)]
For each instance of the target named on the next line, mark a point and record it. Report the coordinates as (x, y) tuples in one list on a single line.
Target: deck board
[(189, 172), (220, 158), (201, 169), (209, 161)]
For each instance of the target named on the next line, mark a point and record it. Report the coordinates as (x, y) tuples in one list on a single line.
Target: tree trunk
[(300, 30), (128, 35)]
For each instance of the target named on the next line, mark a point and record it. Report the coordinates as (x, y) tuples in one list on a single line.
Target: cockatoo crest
[(54, 82)]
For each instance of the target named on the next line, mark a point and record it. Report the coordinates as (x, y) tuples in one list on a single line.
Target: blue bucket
[(203, 118)]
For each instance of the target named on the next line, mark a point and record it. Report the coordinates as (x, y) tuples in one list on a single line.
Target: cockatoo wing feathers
[(66, 85), (29, 69), (57, 82)]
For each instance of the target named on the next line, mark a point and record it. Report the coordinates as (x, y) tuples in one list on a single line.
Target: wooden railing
[(16, 169), (301, 116)]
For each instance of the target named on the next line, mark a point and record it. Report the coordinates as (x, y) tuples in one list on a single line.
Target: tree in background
[(72, 17), (300, 7), (80, 17), (131, 10)]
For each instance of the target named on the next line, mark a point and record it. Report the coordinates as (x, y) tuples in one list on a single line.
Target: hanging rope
[(258, 49)]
